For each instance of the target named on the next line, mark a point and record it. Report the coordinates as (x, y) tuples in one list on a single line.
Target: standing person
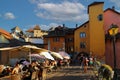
[(85, 64), (81, 61), (91, 61), (68, 62), (31, 69), (16, 72), (16, 69)]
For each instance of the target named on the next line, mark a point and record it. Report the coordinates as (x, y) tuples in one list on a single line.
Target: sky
[(46, 13)]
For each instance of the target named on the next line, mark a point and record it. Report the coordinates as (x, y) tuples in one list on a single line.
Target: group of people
[(86, 61), (23, 72), (40, 69), (35, 69)]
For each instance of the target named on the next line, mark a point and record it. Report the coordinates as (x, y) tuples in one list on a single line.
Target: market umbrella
[(31, 48), (37, 56), (6, 34), (25, 62), (57, 55), (64, 54), (47, 55), (26, 49)]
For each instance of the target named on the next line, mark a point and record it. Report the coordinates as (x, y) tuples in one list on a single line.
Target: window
[(71, 48), (69, 40), (100, 17), (56, 39), (82, 45), (54, 49), (82, 34)]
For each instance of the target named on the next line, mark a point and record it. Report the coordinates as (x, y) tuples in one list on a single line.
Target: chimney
[(76, 25), (113, 8), (63, 25)]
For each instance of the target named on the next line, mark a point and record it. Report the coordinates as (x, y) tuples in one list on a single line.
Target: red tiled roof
[(112, 10), (30, 30), (6, 34), (82, 25), (36, 27)]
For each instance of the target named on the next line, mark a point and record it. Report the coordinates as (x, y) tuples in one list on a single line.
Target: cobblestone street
[(71, 73)]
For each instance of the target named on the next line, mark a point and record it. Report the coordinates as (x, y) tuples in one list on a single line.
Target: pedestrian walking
[(85, 64), (81, 61)]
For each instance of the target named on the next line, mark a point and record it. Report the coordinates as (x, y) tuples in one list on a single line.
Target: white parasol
[(57, 55), (64, 54), (47, 55), (37, 56)]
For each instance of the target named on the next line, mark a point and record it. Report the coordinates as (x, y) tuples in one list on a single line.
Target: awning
[(9, 48), (24, 47)]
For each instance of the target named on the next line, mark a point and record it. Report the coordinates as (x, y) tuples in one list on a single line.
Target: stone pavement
[(71, 73)]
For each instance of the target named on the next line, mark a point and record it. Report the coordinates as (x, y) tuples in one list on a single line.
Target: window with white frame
[(82, 34)]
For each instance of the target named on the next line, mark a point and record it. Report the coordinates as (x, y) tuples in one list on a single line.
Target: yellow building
[(89, 37), (36, 32)]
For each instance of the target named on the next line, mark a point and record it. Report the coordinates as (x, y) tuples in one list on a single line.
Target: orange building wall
[(46, 43), (69, 44), (52, 44)]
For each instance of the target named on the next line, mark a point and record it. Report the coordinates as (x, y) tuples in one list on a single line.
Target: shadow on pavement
[(71, 78)]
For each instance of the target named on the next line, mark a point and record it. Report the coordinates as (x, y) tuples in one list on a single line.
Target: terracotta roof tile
[(30, 30), (6, 34), (36, 27), (112, 10)]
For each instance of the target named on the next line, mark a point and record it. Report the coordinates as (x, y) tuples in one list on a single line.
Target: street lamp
[(113, 31)]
